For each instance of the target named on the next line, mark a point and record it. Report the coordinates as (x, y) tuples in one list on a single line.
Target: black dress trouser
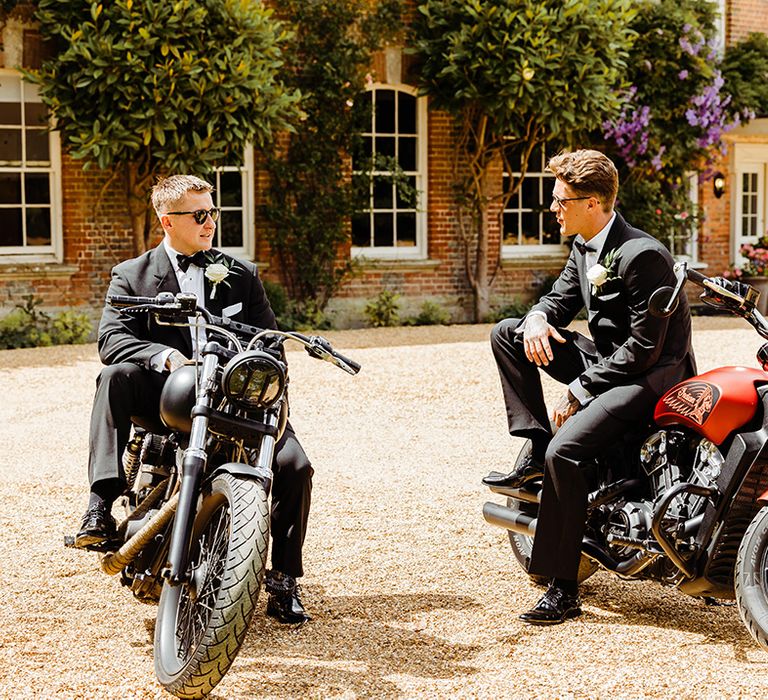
[(563, 510), (125, 390)]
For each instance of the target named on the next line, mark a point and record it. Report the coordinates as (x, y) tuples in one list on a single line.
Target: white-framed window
[(30, 175), (683, 243), (393, 226), (233, 193), (528, 224), (748, 182)]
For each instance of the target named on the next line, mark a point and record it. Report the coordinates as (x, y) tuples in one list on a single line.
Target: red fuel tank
[(714, 403)]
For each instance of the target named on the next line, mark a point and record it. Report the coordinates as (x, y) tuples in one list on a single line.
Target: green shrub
[(430, 314), (384, 310), (278, 299), (27, 326)]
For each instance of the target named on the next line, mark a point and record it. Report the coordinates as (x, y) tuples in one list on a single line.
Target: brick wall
[(744, 17)]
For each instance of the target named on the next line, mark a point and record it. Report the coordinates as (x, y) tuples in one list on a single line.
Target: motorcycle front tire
[(751, 578), (523, 544), (202, 623)]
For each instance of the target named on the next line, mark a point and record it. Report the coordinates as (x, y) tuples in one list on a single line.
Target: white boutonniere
[(217, 270), (603, 272)]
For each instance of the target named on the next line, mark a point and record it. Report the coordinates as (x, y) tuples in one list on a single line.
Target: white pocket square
[(232, 310)]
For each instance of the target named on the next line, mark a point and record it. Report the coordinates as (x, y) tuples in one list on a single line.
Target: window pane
[(385, 111), (383, 233), (551, 229), (361, 230), (37, 146), (406, 229), (38, 226), (231, 189), (408, 153), (530, 192), (406, 112), (408, 202), (10, 188), (362, 153), (510, 229), (382, 193), (10, 145), (37, 188), (530, 226), (10, 113), (385, 146), (10, 227), (35, 114), (231, 234)]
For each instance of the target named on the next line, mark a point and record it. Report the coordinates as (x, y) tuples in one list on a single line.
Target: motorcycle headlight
[(253, 379)]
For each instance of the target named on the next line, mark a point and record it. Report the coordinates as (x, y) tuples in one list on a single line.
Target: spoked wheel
[(202, 623), (522, 545), (751, 578)]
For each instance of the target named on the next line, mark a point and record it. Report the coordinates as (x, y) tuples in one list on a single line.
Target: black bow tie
[(185, 261), (583, 247)]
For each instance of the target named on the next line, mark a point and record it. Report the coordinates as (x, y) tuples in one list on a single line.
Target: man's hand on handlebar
[(733, 286), (174, 361)]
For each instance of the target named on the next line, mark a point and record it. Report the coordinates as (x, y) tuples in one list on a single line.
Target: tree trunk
[(482, 287), (137, 207)]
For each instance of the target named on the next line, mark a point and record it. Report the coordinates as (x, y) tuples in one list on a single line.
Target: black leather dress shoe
[(98, 527), (554, 607), (529, 470), (284, 602)]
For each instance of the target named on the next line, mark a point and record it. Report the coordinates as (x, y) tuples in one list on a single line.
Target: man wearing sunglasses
[(613, 379), (140, 355)]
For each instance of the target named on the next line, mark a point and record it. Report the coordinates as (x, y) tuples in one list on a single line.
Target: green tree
[(311, 195), (144, 87), (745, 71), (515, 74), (674, 114)]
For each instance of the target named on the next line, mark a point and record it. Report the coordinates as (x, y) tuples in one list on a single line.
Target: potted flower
[(754, 269)]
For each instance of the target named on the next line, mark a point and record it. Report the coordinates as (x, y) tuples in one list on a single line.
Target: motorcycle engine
[(668, 457), (671, 457)]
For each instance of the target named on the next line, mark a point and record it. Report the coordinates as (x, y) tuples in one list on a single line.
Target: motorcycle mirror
[(662, 304)]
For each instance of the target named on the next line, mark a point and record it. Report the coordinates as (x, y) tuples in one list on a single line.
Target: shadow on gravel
[(647, 604), (351, 646)]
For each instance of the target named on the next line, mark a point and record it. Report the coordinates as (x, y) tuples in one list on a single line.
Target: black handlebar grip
[(120, 301), (354, 366), (696, 276)]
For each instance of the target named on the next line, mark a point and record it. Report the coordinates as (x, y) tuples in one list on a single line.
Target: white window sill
[(398, 264)]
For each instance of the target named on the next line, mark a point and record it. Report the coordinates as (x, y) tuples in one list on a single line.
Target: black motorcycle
[(682, 499), (197, 519)]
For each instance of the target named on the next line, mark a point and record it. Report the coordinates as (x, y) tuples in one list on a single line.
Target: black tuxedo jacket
[(631, 344), (137, 338)]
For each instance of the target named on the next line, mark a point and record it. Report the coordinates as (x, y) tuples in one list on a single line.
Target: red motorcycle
[(682, 500)]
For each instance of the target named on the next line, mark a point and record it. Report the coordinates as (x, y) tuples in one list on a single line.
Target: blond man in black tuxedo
[(139, 354)]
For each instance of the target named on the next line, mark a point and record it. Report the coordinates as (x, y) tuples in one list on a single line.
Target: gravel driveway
[(413, 594)]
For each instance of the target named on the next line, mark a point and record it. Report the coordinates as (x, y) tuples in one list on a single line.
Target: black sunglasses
[(199, 214)]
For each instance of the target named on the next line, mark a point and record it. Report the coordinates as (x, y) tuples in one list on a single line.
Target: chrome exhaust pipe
[(509, 519), (521, 494), (114, 562)]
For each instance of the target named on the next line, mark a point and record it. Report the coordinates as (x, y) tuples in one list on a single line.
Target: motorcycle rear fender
[(246, 471)]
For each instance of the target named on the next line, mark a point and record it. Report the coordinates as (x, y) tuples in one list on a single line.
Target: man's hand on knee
[(536, 339), (568, 405)]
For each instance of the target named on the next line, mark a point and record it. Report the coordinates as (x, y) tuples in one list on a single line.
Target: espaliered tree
[(311, 195), (515, 74), (144, 87)]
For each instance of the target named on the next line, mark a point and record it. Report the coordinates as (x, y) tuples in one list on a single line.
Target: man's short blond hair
[(169, 190), (589, 173)]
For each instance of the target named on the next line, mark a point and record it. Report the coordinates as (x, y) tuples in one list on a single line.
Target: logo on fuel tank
[(693, 400)]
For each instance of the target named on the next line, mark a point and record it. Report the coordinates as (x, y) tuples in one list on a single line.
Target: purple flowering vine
[(630, 132)]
